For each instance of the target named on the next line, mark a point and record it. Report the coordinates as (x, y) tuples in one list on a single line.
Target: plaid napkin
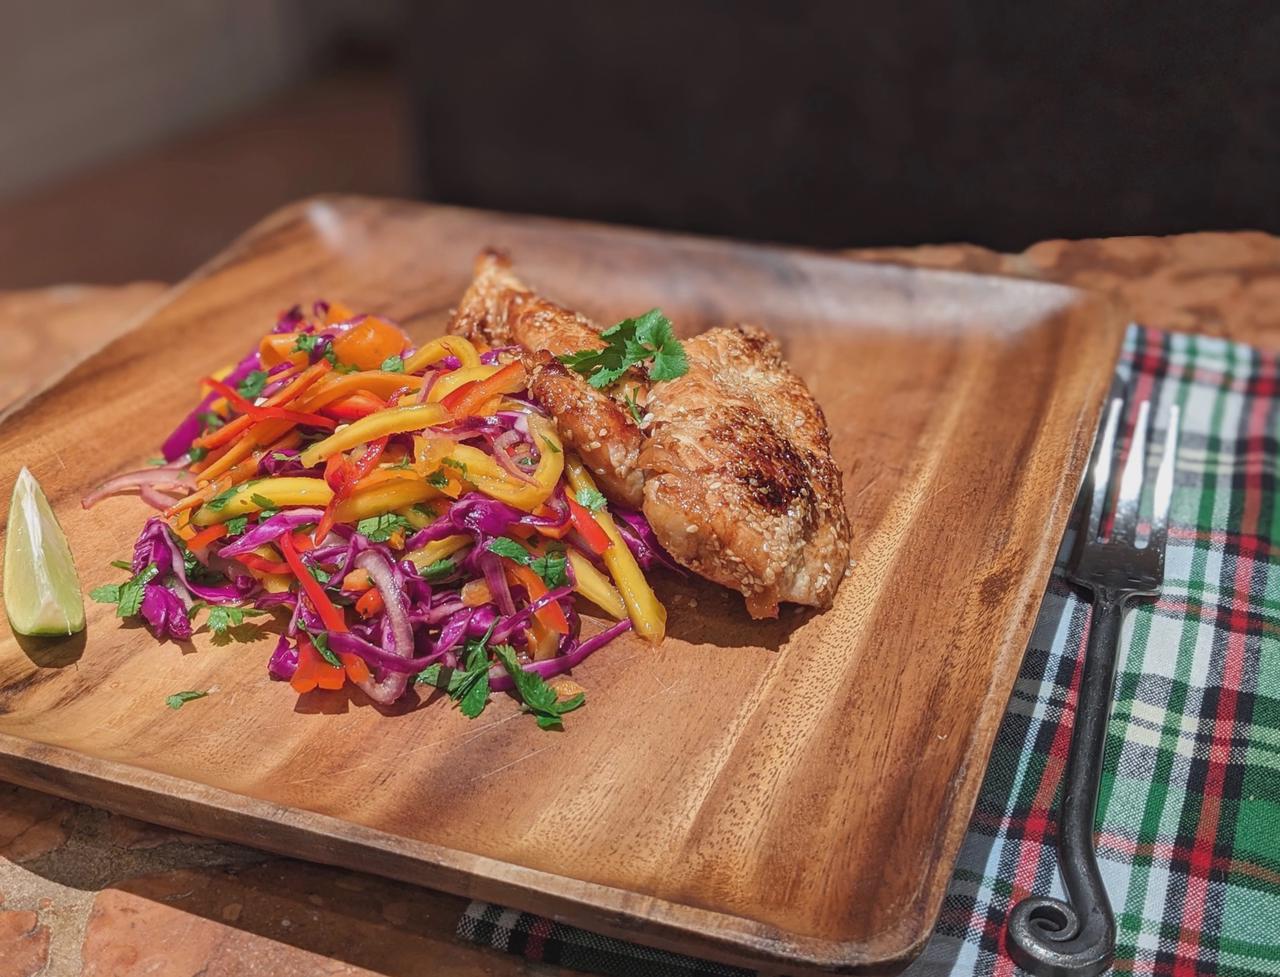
[(1189, 811)]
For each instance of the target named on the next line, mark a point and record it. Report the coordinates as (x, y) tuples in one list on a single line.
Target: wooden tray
[(789, 793)]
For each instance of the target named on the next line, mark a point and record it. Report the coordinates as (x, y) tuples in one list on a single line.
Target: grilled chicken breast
[(734, 469), (740, 485), (500, 310)]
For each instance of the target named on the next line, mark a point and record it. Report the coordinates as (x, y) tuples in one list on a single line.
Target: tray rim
[(231, 816)]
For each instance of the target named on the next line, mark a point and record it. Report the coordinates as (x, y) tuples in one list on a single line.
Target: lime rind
[(41, 587)]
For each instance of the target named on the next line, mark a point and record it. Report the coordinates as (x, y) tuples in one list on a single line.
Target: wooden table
[(86, 892)]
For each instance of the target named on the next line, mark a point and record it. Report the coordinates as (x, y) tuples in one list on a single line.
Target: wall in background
[(85, 81)]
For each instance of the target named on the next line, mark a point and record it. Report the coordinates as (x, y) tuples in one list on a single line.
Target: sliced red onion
[(500, 445), (491, 567), (177, 443), (500, 681), (168, 477), (391, 685)]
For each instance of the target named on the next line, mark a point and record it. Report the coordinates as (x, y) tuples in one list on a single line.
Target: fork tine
[(1126, 521), (1164, 480), (1102, 471)]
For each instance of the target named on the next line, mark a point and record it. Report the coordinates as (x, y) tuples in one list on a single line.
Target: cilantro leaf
[(196, 453), (537, 696), (222, 618), (393, 364), (404, 464), (250, 388), (210, 420), (108, 593), (433, 675), (505, 546), (438, 570), (130, 593), (236, 526), (454, 463), (261, 501), (551, 445), (632, 342), (265, 514), (379, 529), (321, 576), (321, 643), (219, 501), (305, 342), (590, 498), (551, 569), (473, 692), (176, 700)]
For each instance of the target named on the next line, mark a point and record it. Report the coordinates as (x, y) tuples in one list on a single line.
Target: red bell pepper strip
[(268, 411), (357, 405), (234, 428), (206, 536), (342, 476), (329, 613), (549, 614), (470, 397), (263, 565), (587, 526)]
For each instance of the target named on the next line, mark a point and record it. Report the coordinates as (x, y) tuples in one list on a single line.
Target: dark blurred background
[(138, 137)]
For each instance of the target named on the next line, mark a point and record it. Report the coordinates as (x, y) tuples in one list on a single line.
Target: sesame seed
[(691, 528)]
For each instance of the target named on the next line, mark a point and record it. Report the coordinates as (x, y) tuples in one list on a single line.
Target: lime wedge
[(41, 588)]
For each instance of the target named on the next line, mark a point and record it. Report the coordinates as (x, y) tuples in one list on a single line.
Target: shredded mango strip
[(450, 382), (386, 422), (436, 550), (280, 491), (384, 498), (442, 348), (595, 586), (336, 388), (491, 479), (648, 616)]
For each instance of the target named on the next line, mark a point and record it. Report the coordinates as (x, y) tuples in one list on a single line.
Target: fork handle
[(1077, 938)]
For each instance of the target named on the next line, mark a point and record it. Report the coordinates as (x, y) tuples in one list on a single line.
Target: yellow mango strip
[(494, 481), (595, 586), (439, 349), (451, 381), (384, 497), (376, 382), (437, 549), (279, 492), (648, 616), (394, 420)]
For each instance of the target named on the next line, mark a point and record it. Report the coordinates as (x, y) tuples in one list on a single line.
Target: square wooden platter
[(786, 793)]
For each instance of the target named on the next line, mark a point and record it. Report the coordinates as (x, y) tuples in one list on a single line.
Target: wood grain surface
[(790, 792)]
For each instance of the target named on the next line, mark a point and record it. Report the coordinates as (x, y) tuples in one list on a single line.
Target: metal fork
[(1076, 938)]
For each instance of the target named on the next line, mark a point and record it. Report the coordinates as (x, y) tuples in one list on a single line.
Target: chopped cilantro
[(454, 463), (538, 697), (126, 596), (156, 462), (219, 501), (590, 498), (551, 445), (438, 478), (393, 364), (250, 388), (281, 456), (438, 570), (196, 453), (505, 546), (210, 420), (265, 514), (236, 526), (379, 529), (261, 501), (176, 700), (632, 342), (551, 569), (122, 565), (321, 642), (305, 343), (404, 464), (425, 510), (321, 576)]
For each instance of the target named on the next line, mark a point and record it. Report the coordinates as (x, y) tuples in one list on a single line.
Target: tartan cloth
[(1189, 808)]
